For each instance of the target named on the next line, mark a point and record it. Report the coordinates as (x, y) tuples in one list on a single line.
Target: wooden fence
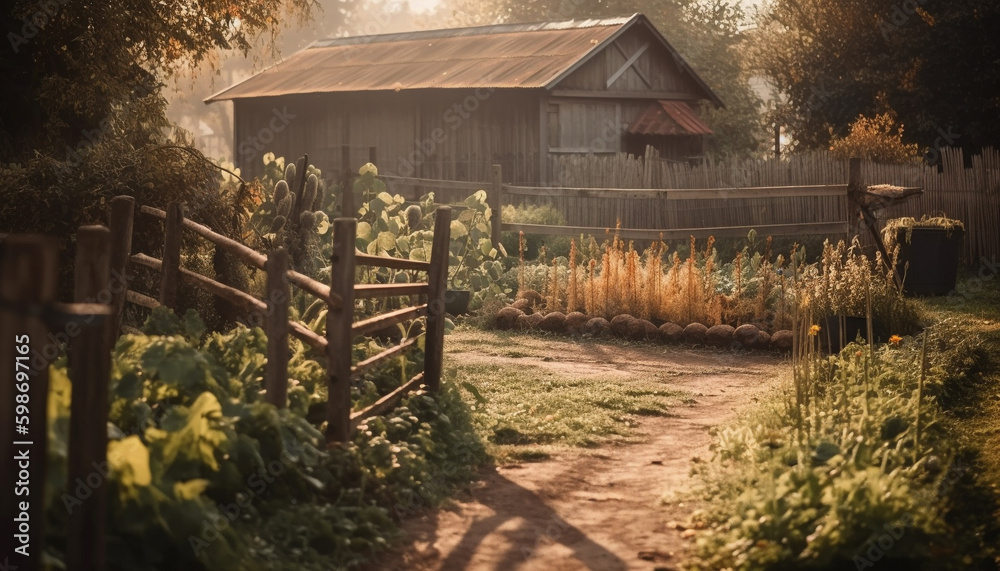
[(968, 194), (29, 266), (798, 194), (646, 214)]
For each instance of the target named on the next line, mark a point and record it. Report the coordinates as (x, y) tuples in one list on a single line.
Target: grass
[(975, 411), (876, 446), (528, 406)]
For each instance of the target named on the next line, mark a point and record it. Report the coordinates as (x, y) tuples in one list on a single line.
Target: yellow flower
[(814, 330), (895, 339)]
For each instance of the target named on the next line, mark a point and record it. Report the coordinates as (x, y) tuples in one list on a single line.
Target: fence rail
[(648, 195), (29, 267), (970, 194)]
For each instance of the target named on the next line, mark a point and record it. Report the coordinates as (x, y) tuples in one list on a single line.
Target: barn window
[(588, 127)]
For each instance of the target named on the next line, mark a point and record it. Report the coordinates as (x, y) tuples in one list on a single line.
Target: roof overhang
[(668, 118)]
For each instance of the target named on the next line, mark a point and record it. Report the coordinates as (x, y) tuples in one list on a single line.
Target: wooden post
[(495, 200), (856, 189), (29, 271), (777, 141), (437, 280), (338, 332), (373, 155), (90, 366), (276, 324), (120, 220), (854, 176), (347, 207), (173, 228)]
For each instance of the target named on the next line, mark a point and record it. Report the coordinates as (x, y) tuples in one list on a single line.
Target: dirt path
[(592, 509)]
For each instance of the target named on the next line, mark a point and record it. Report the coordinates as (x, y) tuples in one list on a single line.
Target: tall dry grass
[(616, 278), (757, 287)]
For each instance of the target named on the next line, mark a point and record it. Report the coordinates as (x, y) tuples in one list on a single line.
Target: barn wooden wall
[(446, 134)]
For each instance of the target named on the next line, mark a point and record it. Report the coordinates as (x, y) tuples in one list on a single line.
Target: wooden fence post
[(90, 366), (120, 221), (276, 323), (339, 320), (173, 229), (496, 204), (373, 155), (347, 207), (437, 280), (29, 272)]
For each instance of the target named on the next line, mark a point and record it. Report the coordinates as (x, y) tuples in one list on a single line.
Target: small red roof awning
[(668, 118)]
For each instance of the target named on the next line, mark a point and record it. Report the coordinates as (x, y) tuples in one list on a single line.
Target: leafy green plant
[(194, 444), (473, 262), (856, 449)]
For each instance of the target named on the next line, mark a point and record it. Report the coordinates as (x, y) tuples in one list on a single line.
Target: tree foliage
[(82, 118), (931, 62), (71, 65)]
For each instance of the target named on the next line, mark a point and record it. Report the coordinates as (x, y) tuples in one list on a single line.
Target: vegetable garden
[(292, 436)]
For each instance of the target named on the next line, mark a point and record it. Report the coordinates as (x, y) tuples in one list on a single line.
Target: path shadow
[(528, 524)]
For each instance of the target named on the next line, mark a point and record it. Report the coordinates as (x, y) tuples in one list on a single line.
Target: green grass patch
[(527, 411)]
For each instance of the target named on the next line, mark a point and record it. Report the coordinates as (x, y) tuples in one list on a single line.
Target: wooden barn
[(447, 104)]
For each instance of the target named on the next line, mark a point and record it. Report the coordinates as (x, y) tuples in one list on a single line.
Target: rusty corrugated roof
[(510, 55), (668, 118)]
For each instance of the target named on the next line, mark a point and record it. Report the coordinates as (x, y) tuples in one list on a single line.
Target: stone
[(641, 330), (596, 327), (526, 322), (781, 340), (671, 333), (553, 322), (763, 340), (746, 335), (575, 322), (719, 335), (620, 324), (695, 333), (506, 318)]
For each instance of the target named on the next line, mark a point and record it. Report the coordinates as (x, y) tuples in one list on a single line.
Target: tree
[(186, 92), (82, 117), (70, 64), (707, 33), (931, 62)]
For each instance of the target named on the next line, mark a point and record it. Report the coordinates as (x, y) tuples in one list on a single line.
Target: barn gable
[(635, 61)]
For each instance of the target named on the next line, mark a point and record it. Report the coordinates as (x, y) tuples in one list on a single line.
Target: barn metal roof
[(500, 56), (668, 118)]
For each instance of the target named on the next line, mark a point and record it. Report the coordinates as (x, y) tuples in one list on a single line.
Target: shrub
[(546, 215), (877, 139)]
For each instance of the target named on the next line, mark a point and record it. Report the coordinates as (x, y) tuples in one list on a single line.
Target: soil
[(618, 506)]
